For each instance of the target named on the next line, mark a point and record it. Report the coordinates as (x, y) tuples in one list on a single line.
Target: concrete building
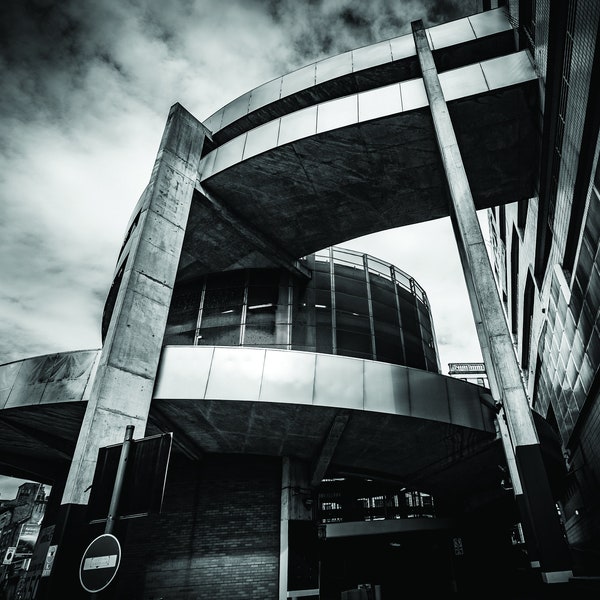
[(316, 447)]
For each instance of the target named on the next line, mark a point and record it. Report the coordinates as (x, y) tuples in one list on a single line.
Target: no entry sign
[(100, 563)]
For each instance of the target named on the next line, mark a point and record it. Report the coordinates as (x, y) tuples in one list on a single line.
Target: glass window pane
[(299, 124), (337, 113), (370, 56), (379, 102)]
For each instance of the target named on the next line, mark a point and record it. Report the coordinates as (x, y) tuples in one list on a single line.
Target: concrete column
[(546, 545), (122, 388)]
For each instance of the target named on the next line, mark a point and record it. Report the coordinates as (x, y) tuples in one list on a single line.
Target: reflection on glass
[(298, 80), (508, 70), (379, 102), (265, 94), (261, 139), (462, 82), (370, 56), (334, 67), (299, 124), (413, 94), (451, 33), (489, 22), (230, 153), (337, 113)]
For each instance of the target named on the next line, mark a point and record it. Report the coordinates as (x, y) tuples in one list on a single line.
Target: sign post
[(100, 563)]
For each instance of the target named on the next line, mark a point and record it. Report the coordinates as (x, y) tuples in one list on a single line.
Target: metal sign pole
[(119, 479)]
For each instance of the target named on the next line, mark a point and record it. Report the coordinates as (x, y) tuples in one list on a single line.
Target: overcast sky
[(86, 88)]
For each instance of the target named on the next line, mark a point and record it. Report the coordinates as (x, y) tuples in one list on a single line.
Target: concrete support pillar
[(124, 382), (545, 541), (296, 507)]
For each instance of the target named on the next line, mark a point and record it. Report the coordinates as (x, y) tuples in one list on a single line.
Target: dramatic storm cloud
[(86, 87)]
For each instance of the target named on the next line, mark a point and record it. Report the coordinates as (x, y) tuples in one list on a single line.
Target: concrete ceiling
[(342, 184)]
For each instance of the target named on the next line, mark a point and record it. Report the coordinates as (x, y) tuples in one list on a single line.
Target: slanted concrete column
[(546, 545)]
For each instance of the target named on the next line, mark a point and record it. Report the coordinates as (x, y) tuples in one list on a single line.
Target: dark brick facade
[(216, 538)]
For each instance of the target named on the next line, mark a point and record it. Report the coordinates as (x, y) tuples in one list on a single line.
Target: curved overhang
[(402, 424), (396, 423), (454, 44), (42, 403), (361, 164)]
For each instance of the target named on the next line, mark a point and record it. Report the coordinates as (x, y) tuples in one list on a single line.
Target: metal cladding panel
[(466, 406), (386, 388), (339, 381), (235, 374), (47, 379), (8, 376), (429, 396), (456, 33), (464, 82), (306, 378), (288, 377), (186, 375)]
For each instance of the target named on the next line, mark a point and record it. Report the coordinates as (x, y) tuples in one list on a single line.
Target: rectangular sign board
[(144, 482)]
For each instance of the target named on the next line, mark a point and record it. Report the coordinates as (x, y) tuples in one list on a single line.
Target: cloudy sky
[(86, 88)]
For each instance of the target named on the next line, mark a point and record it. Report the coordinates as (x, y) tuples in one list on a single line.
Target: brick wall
[(217, 536)]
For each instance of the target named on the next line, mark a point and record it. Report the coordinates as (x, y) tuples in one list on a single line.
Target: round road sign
[(100, 563)]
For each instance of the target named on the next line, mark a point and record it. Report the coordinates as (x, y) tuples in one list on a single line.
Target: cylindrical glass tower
[(353, 305)]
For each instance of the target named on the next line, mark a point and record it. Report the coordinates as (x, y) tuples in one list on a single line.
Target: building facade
[(546, 256), (317, 449)]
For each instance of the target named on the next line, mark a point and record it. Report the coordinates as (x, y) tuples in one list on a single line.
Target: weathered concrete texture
[(122, 389), (544, 538)]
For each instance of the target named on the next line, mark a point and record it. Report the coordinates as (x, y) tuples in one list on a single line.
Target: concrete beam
[(326, 454), (258, 239), (546, 545)]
